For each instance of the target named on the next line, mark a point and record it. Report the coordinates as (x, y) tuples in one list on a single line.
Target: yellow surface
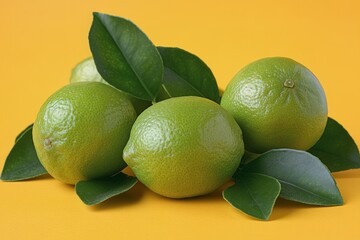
[(41, 41)]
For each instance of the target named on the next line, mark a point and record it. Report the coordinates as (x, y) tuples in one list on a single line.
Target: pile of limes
[(159, 111), (183, 146)]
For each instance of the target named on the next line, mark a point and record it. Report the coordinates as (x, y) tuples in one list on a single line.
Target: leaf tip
[(339, 201), (81, 196), (97, 13)]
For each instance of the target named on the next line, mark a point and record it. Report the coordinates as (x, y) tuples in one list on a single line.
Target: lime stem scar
[(47, 142), (289, 83)]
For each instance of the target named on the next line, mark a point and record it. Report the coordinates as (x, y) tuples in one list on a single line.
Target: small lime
[(86, 71)]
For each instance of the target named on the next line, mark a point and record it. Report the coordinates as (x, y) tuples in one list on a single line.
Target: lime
[(278, 103), (81, 130), (86, 71), (184, 147)]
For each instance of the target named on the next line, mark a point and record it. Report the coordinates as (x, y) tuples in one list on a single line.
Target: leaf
[(125, 57), (336, 149), (22, 162), (303, 177), (23, 132), (186, 75), (246, 158), (254, 194), (95, 191)]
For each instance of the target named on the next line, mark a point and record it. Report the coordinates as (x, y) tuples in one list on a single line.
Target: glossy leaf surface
[(303, 177), (95, 191), (22, 162), (336, 148), (125, 57), (254, 194)]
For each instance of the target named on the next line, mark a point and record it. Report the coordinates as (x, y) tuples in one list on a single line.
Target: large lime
[(81, 130), (278, 103), (184, 147)]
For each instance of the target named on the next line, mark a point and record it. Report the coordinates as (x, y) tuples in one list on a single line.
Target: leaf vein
[(303, 189), (257, 205), (188, 84), (126, 58)]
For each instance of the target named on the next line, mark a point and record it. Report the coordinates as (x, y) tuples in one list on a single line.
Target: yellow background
[(41, 41)]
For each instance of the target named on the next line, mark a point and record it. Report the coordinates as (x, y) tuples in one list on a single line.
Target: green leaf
[(254, 194), (336, 149), (23, 132), (125, 57), (22, 162), (186, 75), (95, 191), (246, 158), (303, 177)]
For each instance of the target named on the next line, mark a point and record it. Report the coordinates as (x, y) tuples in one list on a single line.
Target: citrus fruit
[(86, 71), (184, 147), (278, 103), (81, 130)]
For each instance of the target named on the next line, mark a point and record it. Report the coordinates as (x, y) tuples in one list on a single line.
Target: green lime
[(184, 147), (86, 71), (81, 130), (278, 103)]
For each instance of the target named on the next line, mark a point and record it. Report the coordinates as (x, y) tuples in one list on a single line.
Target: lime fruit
[(81, 130), (278, 103), (184, 147), (86, 71)]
